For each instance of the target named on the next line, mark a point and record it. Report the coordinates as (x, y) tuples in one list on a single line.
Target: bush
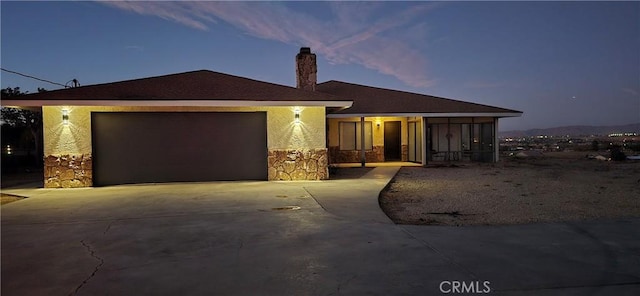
[(617, 154)]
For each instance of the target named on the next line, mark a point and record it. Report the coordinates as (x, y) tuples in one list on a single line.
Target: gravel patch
[(514, 192)]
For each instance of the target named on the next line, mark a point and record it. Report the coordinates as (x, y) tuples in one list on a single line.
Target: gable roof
[(374, 101), (197, 88)]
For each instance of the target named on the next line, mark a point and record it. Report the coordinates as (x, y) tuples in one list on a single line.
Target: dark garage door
[(149, 147)]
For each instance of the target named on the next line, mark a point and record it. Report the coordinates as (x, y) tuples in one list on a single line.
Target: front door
[(392, 146)]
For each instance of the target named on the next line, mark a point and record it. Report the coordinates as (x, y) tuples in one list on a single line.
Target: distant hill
[(576, 130)]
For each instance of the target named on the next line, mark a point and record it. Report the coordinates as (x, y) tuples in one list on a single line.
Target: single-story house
[(205, 126)]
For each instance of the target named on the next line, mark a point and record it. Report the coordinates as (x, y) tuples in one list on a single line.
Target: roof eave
[(429, 115), (173, 103)]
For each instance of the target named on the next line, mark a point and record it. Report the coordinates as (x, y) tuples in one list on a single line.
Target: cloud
[(173, 11), (630, 91), (366, 34)]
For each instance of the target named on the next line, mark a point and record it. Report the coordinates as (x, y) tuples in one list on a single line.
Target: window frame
[(356, 147)]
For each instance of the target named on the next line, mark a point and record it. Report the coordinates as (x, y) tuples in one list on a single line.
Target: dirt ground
[(15, 179), (7, 198), (556, 187)]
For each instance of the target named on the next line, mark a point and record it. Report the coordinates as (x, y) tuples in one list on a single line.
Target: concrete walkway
[(355, 200), (378, 164), (291, 238)]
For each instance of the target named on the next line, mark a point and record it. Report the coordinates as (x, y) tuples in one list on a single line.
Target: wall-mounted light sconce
[(378, 123), (296, 116), (65, 117)]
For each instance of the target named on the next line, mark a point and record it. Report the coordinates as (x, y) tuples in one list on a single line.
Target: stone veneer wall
[(344, 156), (298, 164), (405, 152), (68, 171)]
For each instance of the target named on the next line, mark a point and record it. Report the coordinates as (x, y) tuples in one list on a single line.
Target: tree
[(23, 118), (11, 92), (595, 145)]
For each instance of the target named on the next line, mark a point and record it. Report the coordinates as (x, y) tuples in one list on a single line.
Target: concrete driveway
[(250, 238)]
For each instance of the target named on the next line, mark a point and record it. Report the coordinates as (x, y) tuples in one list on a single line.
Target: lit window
[(350, 136)]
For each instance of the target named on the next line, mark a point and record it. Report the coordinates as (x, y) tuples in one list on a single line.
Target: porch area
[(377, 164), (410, 140)]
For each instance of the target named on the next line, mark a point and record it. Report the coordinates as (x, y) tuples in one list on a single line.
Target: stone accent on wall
[(68, 171), (298, 164), (345, 156), (377, 155), (405, 152)]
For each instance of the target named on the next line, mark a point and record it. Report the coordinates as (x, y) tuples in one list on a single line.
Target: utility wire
[(36, 78)]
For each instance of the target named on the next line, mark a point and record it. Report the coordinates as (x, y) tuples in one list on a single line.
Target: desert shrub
[(633, 146), (617, 154)]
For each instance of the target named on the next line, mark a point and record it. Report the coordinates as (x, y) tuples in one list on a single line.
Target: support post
[(425, 135), (448, 158), (362, 154), (496, 141)]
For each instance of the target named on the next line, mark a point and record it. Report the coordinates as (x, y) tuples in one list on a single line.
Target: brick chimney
[(306, 69)]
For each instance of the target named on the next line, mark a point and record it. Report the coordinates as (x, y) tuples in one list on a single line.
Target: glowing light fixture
[(296, 115), (65, 116)]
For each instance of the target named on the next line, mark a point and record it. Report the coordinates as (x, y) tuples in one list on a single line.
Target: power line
[(36, 78)]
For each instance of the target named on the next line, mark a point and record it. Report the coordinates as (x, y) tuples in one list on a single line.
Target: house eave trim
[(173, 103), (429, 115)]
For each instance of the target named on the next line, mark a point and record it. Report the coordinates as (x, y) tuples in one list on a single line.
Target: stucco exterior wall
[(283, 134)]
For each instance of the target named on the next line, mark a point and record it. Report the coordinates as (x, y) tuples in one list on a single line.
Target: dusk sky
[(561, 63)]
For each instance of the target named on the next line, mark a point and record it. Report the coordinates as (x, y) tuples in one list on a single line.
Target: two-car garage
[(195, 126), (151, 147)]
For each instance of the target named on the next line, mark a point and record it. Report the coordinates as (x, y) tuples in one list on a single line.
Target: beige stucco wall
[(378, 131), (283, 133)]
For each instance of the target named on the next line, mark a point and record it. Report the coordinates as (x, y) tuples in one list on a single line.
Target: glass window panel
[(442, 138), (475, 138), (412, 141), (434, 137), (368, 136), (350, 135), (347, 135), (418, 142), (455, 137), (466, 138)]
